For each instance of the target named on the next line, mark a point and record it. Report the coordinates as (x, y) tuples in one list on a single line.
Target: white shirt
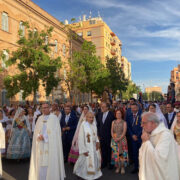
[(67, 118), (170, 115), (134, 118), (104, 116)]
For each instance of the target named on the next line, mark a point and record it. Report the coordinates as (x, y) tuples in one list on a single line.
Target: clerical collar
[(46, 117)]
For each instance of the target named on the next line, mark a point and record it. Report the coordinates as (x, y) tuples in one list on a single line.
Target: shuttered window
[(5, 22)]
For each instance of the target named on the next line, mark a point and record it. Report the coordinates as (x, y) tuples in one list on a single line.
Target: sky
[(148, 29)]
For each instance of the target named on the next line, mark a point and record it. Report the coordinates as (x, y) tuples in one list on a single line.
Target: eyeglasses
[(143, 123)]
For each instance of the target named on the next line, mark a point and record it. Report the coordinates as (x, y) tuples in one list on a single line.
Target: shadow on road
[(18, 170)]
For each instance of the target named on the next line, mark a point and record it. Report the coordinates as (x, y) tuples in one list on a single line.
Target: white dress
[(88, 167), (3, 150), (2, 145)]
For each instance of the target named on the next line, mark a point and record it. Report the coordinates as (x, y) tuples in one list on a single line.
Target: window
[(64, 49), (34, 30), (5, 23), (80, 34), (92, 22), (4, 58), (56, 46), (22, 28), (46, 40), (89, 33)]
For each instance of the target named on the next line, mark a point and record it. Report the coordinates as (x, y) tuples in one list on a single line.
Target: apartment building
[(13, 13)]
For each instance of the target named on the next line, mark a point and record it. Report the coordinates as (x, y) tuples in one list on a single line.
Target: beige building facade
[(153, 89), (126, 67), (13, 13), (106, 41), (175, 78), (98, 32)]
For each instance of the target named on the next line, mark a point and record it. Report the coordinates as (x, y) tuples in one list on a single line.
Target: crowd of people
[(92, 137)]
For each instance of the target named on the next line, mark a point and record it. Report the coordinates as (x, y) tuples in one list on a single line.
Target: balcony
[(113, 42), (112, 34), (113, 52)]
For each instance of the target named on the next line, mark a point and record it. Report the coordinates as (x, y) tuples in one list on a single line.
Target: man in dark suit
[(131, 101), (128, 136), (170, 115), (134, 131), (104, 122), (68, 125)]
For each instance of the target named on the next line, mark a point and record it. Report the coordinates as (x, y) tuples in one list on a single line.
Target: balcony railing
[(113, 42), (113, 52), (112, 34)]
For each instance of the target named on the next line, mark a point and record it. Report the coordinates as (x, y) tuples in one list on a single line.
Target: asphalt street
[(14, 170)]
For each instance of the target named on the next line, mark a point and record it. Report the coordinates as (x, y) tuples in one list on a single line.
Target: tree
[(87, 73), (155, 96), (116, 81), (145, 96), (34, 64), (132, 88)]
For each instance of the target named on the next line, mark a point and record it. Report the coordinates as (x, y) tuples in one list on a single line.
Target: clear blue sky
[(149, 31)]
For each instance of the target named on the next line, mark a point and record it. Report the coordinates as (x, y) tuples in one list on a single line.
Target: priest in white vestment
[(158, 156), (47, 162), (88, 165), (2, 145)]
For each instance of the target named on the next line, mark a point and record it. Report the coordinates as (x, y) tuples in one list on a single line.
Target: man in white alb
[(47, 162), (158, 156), (2, 145)]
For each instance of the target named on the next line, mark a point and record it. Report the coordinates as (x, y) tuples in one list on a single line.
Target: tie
[(104, 117), (134, 118), (170, 117)]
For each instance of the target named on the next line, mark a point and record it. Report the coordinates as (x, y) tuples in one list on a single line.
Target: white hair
[(151, 117)]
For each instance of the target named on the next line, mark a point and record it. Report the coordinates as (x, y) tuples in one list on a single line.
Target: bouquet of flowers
[(20, 124)]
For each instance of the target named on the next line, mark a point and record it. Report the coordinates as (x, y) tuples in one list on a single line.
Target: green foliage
[(33, 63), (116, 81), (131, 89), (87, 72), (73, 19), (145, 96), (155, 96)]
